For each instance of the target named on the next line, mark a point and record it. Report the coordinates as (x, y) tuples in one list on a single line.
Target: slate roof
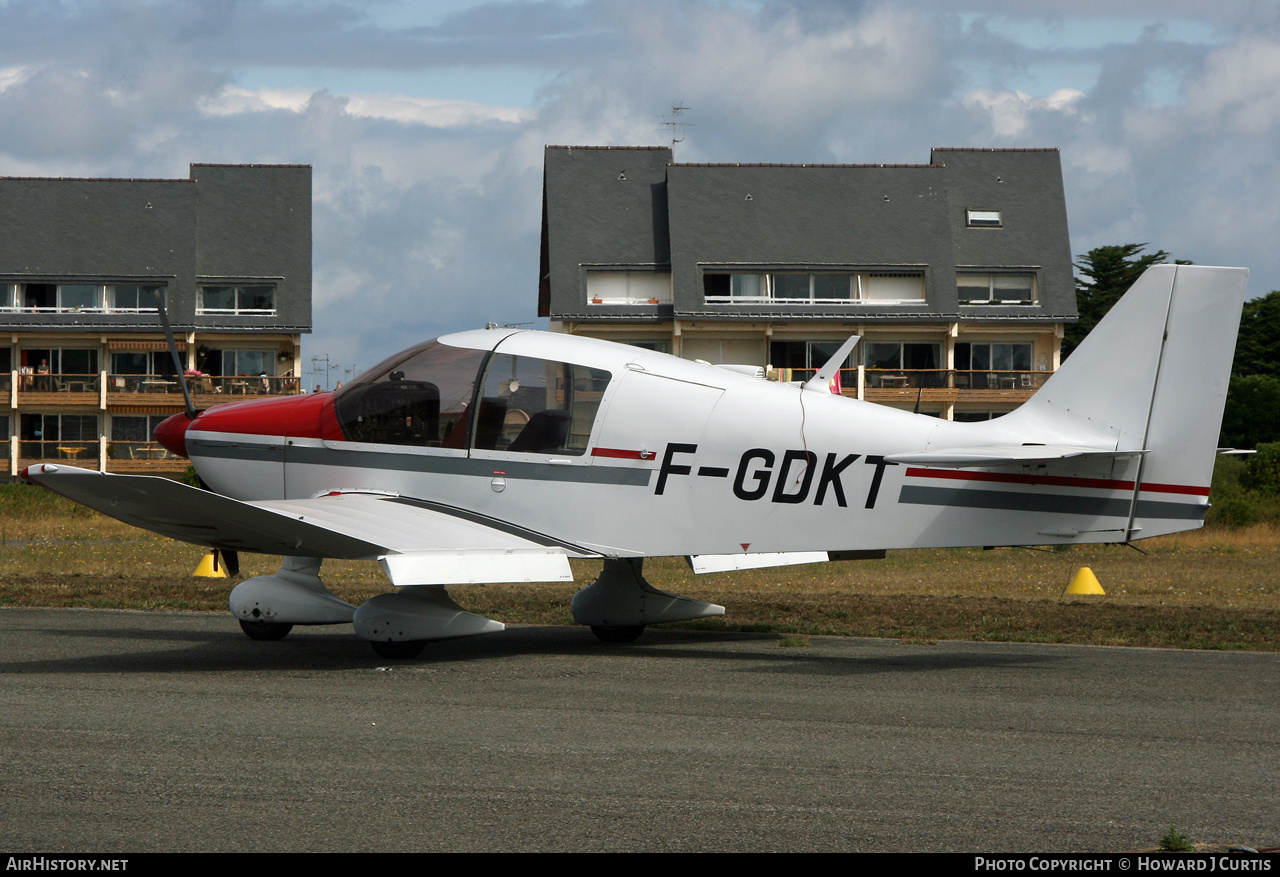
[(633, 208)]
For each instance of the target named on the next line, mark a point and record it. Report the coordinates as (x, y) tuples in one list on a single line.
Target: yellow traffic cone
[(1085, 582), (209, 568)]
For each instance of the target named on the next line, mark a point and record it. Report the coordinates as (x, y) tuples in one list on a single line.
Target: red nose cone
[(172, 433)]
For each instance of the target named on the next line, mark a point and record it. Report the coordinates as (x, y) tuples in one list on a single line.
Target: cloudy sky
[(425, 121)]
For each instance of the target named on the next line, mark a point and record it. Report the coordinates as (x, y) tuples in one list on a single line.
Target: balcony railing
[(234, 385), (138, 451), (928, 379), (85, 450), (33, 382)]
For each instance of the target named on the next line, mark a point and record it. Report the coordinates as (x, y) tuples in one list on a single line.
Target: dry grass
[(1215, 588)]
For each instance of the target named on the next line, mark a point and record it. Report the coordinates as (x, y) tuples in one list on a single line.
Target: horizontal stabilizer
[(962, 458)]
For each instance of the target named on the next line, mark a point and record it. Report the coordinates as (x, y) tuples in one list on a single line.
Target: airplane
[(496, 455)]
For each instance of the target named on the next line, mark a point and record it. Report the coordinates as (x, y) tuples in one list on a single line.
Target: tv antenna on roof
[(677, 109)]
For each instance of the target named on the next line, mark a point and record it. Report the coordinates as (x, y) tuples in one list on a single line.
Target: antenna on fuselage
[(822, 380)]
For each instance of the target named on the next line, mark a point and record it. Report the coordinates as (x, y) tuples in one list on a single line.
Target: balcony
[(141, 456), (931, 385), (54, 389), (205, 390)]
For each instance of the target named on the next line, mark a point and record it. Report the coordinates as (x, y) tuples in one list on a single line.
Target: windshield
[(417, 397)]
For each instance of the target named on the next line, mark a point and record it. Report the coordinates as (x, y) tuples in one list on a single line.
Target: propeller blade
[(173, 351)]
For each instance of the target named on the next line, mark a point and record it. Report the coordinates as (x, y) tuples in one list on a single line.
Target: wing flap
[(705, 563), (475, 567)]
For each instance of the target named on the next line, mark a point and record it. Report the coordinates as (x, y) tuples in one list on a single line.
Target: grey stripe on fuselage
[(367, 459), (1096, 506)]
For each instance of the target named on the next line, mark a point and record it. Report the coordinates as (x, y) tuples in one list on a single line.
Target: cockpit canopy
[(425, 396)]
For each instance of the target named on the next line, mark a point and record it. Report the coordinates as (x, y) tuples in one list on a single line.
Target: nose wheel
[(265, 630)]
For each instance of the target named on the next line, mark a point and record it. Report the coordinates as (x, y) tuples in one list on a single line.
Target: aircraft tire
[(402, 650), (265, 630), (620, 633)]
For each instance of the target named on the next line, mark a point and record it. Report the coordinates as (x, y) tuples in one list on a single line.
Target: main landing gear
[(617, 607), (620, 604), (399, 651), (622, 633)]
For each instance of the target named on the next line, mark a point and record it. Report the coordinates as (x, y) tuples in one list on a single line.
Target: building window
[(76, 298), (900, 355), (79, 297), (805, 354), (658, 346), (248, 362), (258, 300), (999, 289), (975, 416), (990, 366), (983, 218), (142, 371), (903, 365), (37, 297), (815, 288), (47, 370), (133, 438), (59, 436), (971, 356), (131, 298), (628, 287), (51, 298)]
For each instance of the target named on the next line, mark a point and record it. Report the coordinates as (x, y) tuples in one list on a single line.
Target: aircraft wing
[(417, 542), (961, 458)]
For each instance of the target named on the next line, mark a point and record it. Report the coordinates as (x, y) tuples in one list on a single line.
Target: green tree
[(1258, 346), (1252, 414), (1105, 273)]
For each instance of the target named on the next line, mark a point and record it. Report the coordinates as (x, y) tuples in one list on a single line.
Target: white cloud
[(427, 206), (1010, 112), (232, 100), (431, 112), (13, 76), (1239, 88)]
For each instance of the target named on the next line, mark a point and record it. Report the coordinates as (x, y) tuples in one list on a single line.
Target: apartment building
[(85, 369), (956, 274)]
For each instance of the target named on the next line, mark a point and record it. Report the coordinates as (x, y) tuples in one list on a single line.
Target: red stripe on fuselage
[(1055, 480), (621, 454)]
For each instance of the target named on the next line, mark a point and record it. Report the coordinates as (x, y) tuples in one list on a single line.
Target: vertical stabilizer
[(1152, 376)]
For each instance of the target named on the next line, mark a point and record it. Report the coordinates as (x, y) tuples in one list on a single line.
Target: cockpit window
[(538, 406), (423, 397), (417, 397)]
